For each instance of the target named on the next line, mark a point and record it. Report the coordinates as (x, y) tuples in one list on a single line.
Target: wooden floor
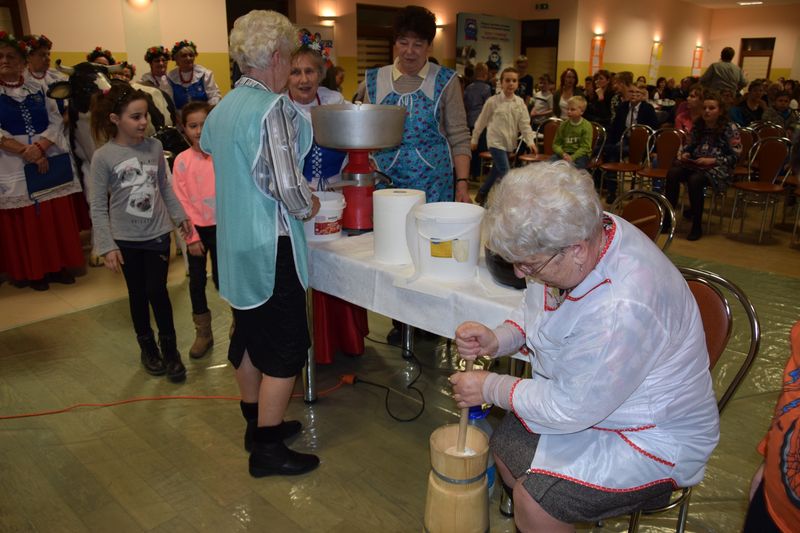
[(176, 465)]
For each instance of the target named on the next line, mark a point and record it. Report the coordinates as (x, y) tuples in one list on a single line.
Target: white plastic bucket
[(327, 223), (444, 239)]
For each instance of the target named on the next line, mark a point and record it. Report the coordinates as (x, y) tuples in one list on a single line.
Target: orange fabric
[(781, 447)]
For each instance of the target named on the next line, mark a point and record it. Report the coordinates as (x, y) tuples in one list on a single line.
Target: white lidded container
[(326, 225)]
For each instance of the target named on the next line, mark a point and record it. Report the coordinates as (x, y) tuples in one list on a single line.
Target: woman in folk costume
[(39, 239), (620, 409), (190, 81)]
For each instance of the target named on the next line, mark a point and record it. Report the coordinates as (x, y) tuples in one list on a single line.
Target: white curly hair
[(257, 35), (540, 209)]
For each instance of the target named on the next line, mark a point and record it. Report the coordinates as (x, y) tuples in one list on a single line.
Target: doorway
[(539, 41)]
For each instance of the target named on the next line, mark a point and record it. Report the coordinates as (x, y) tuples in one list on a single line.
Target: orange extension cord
[(347, 379)]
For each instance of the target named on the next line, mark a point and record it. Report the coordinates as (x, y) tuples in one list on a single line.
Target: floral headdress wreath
[(155, 52), (99, 52), (37, 41), (22, 45), (183, 44), (130, 66), (314, 42)]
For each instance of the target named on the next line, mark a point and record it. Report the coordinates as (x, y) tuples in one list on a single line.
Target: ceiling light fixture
[(749, 3)]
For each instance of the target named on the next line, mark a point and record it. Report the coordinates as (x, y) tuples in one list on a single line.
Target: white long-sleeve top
[(621, 392), (506, 119)]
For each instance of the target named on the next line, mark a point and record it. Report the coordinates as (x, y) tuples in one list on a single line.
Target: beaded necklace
[(183, 81), (13, 85)]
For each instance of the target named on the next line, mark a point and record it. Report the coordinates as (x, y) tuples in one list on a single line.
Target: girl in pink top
[(193, 182)]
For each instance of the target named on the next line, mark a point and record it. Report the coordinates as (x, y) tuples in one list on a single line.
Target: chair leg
[(633, 522), (683, 514), (763, 221), (733, 211), (796, 222)]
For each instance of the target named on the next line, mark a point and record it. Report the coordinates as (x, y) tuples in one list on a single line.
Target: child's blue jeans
[(500, 167)]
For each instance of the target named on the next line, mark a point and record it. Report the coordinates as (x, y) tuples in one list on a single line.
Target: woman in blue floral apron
[(436, 137)]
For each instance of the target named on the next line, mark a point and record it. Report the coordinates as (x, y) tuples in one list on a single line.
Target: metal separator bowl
[(358, 126)]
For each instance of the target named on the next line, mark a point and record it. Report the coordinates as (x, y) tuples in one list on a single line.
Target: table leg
[(310, 368), (310, 378), (407, 333)]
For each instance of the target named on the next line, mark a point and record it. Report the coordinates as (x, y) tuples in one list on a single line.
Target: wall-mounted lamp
[(140, 4), (328, 20)]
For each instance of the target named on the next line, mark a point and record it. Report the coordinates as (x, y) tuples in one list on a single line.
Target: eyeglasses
[(531, 271)]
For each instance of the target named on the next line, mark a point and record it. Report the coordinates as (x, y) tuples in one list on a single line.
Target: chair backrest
[(769, 159), (747, 135), (668, 142), (709, 291), (599, 137), (638, 136), (548, 130), (648, 211), (764, 130)]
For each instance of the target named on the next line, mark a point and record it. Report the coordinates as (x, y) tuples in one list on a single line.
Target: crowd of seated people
[(615, 101)]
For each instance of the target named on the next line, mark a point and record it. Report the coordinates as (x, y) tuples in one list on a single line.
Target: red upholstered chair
[(637, 136), (767, 170), (710, 290), (599, 137), (547, 132), (664, 147), (648, 211)]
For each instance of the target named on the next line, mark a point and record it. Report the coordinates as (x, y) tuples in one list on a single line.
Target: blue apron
[(183, 95), (423, 160)]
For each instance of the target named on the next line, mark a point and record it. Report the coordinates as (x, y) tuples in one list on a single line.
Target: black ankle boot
[(270, 456), (697, 229), (287, 428), (151, 358), (176, 372)]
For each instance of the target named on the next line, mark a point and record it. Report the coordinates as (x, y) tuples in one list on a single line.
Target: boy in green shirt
[(573, 141)]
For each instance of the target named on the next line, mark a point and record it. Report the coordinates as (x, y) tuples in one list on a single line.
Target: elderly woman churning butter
[(620, 408)]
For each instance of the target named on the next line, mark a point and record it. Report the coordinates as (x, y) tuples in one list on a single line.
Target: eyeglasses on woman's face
[(531, 270)]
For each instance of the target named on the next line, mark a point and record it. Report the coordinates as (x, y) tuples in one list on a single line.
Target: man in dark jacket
[(635, 110)]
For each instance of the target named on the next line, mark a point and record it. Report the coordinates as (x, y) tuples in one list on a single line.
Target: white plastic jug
[(327, 223), (444, 239)]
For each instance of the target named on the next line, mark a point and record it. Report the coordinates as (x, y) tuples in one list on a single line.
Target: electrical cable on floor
[(342, 381), (388, 390)]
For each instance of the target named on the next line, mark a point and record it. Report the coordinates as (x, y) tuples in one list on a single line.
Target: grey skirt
[(566, 500)]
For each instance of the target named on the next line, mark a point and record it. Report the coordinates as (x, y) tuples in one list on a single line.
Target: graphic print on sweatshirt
[(141, 180)]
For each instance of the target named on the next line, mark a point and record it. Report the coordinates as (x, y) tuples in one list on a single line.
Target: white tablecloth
[(346, 268)]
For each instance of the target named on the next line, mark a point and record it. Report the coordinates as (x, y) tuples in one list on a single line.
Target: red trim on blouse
[(655, 458), (610, 230), (675, 486), (640, 428), (524, 350), (511, 405)]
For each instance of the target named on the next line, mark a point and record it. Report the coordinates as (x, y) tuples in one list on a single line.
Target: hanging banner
[(598, 45), (655, 62), (697, 61), (485, 39)]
